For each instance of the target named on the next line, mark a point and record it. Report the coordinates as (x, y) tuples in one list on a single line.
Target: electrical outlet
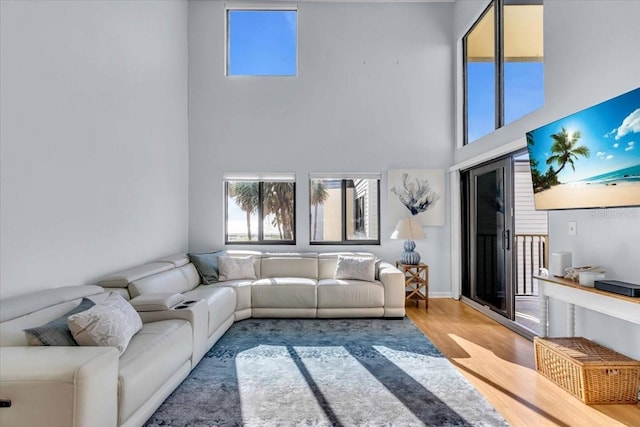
[(573, 228)]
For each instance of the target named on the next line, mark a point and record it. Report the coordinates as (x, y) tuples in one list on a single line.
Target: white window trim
[(259, 176), (345, 175)]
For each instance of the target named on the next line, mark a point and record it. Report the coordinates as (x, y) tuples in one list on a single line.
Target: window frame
[(271, 7), (260, 234), (498, 39), (343, 190)]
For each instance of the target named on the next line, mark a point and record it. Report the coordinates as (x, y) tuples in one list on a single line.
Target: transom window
[(262, 42), (344, 209), (503, 66), (260, 209)]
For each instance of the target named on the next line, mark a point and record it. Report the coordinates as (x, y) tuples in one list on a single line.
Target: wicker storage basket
[(589, 371)]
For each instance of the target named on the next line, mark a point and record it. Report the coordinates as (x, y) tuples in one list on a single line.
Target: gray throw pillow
[(207, 265), (56, 332), (355, 268)]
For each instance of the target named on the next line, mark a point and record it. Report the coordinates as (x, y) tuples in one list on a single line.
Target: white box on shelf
[(560, 261)]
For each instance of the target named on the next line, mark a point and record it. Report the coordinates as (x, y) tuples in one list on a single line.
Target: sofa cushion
[(234, 268), (355, 268), (220, 300), (176, 280), (123, 292), (191, 274), (153, 356), (207, 265), (156, 302), (31, 303), (111, 323), (178, 260), (243, 292), (124, 277), (57, 331), (284, 292), (291, 266), (336, 293)]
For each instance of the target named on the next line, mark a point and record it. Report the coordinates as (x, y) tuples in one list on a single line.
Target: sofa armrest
[(156, 302), (197, 313), (394, 290), (59, 386)]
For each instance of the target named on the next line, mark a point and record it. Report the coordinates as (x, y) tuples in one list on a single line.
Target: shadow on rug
[(325, 372)]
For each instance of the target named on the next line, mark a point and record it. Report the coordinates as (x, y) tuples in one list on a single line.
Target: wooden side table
[(416, 280)]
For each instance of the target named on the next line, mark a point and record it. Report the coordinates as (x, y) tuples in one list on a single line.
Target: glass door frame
[(504, 235)]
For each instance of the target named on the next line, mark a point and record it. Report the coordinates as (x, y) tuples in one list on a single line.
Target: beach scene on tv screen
[(589, 159)]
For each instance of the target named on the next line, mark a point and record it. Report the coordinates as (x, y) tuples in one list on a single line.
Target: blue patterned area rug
[(325, 372)]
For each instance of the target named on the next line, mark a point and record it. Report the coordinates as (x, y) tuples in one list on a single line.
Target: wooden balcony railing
[(531, 253)]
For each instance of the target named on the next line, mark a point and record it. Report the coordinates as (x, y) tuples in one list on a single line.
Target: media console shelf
[(619, 306)]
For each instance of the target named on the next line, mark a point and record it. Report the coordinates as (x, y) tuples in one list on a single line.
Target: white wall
[(373, 93), (94, 139), (591, 54)]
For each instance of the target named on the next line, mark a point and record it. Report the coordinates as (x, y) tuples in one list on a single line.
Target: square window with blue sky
[(262, 42)]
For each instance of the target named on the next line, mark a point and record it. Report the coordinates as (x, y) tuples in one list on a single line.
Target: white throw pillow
[(110, 324), (234, 268), (355, 268)]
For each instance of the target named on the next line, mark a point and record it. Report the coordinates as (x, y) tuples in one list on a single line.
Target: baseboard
[(441, 294)]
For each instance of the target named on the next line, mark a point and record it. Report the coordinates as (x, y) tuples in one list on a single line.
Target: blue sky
[(523, 93), (262, 43), (611, 131)]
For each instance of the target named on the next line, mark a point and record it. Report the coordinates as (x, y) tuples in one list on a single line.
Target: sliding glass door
[(489, 236)]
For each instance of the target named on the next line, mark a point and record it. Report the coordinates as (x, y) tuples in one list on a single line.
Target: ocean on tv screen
[(589, 159)]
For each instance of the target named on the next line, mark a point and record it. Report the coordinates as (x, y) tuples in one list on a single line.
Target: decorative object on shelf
[(409, 230), (417, 191), (588, 277), (560, 262), (579, 274)]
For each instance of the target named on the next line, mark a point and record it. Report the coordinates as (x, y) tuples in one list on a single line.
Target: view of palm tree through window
[(260, 211), (340, 210)]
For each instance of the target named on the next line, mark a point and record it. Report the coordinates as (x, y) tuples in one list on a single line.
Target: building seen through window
[(344, 210)]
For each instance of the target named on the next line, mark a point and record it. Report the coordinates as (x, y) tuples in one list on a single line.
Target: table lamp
[(410, 230)]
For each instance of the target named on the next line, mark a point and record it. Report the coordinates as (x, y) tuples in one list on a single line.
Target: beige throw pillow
[(110, 324), (355, 268), (234, 268)]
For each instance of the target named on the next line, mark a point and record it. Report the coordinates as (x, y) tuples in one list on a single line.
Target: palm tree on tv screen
[(565, 151)]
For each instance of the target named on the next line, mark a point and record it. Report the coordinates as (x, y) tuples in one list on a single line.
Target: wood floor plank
[(500, 364)]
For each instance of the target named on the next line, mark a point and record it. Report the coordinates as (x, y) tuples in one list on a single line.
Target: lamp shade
[(408, 229)]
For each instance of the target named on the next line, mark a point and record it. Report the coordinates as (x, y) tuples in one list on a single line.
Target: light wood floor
[(500, 364)]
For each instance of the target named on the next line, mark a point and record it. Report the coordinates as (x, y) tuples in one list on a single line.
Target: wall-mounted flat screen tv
[(590, 159)]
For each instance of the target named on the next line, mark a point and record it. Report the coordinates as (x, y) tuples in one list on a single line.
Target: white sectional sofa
[(87, 386), (182, 319)]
